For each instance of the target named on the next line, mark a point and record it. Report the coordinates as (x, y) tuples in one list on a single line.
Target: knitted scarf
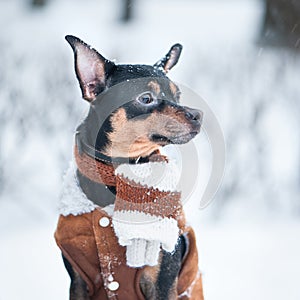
[(147, 209)]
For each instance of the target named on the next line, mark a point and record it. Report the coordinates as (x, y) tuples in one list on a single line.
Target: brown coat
[(95, 253)]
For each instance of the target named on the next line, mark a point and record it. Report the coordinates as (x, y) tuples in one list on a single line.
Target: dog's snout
[(194, 114)]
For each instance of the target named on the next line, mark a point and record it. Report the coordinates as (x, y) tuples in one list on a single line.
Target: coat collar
[(73, 200)]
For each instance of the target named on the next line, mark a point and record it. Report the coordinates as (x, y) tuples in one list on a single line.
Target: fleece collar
[(73, 201)]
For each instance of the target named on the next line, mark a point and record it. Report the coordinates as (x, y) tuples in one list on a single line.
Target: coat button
[(113, 286), (104, 222)]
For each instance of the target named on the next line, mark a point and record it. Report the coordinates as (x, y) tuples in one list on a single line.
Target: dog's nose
[(193, 114)]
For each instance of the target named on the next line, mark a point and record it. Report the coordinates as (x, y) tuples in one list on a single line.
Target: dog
[(134, 111)]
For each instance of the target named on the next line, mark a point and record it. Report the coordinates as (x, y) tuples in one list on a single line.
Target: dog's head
[(146, 112)]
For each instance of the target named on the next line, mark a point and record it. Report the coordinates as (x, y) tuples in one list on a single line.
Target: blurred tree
[(38, 2), (282, 23), (127, 10)]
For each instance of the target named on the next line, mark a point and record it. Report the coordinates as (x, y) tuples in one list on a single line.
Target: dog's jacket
[(90, 236)]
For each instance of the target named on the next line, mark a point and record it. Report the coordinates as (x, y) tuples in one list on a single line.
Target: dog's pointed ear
[(170, 59), (91, 68)]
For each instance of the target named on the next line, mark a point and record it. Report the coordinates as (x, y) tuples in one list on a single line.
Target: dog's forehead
[(149, 73), (128, 90), (124, 72)]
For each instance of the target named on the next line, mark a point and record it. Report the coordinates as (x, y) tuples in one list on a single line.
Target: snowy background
[(249, 236)]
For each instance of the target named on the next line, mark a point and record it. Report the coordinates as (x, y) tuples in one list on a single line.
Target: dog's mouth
[(178, 139)]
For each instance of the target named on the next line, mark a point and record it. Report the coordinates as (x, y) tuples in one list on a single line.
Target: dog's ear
[(170, 59), (91, 68)]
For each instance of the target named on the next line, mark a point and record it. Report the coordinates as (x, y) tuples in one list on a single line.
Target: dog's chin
[(183, 139), (178, 139)]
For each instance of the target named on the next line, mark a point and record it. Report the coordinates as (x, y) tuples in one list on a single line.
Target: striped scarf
[(147, 213)]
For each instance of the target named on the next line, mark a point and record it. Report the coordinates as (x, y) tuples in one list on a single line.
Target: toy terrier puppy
[(134, 111)]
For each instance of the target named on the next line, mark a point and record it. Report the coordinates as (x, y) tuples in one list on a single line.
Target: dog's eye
[(146, 98)]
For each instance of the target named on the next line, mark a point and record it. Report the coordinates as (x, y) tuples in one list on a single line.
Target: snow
[(238, 261), (248, 237), (260, 261), (31, 266)]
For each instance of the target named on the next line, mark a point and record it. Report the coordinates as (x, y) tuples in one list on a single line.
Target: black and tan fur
[(148, 116)]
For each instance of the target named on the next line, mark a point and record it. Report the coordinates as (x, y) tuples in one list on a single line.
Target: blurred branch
[(281, 24), (38, 3), (127, 10)]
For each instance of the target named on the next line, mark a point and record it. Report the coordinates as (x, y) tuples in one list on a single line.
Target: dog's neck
[(98, 193), (97, 179)]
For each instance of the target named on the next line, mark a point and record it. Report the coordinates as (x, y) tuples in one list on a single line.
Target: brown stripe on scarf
[(161, 209), (95, 170), (135, 197)]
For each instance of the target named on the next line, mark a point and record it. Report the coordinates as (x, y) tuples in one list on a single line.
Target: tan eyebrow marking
[(154, 86), (173, 88)]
